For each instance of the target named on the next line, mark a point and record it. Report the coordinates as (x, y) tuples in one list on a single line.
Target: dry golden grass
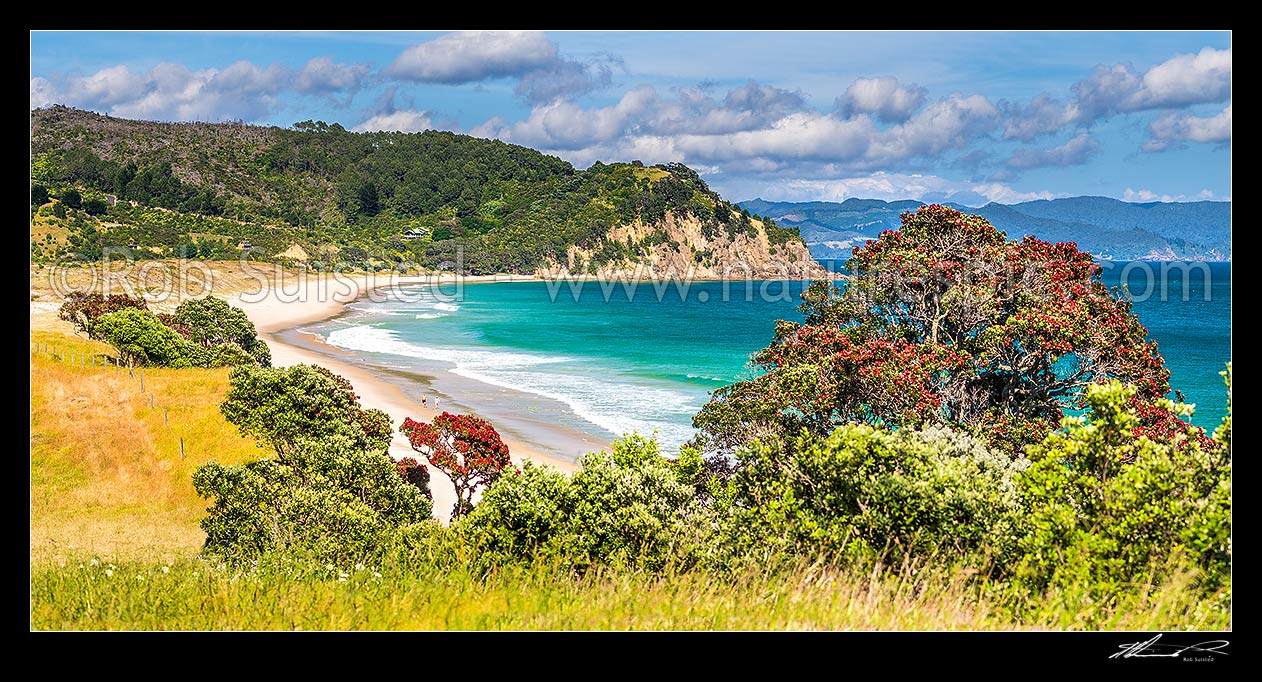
[(180, 278), (107, 477)]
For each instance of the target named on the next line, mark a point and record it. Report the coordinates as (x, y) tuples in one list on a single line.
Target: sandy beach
[(313, 299)]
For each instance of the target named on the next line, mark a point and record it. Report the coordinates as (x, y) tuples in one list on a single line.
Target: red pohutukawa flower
[(467, 449)]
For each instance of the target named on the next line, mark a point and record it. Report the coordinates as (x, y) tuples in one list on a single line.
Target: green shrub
[(625, 508), (281, 406), (211, 321), (329, 500), (865, 494), (220, 355), (1107, 509), (141, 338), (83, 310), (95, 206)]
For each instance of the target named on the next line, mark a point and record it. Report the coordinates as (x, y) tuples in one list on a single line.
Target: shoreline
[(275, 318)]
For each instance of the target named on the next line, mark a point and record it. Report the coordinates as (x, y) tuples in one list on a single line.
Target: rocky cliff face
[(681, 247)]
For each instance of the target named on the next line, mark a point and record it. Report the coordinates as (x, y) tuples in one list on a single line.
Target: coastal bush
[(1106, 506), (945, 320), (417, 474), (281, 406), (142, 339), (624, 508), (864, 494), (84, 309), (466, 449), (210, 321), (95, 206), (328, 500)]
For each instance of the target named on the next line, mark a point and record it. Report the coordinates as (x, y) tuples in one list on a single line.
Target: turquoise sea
[(570, 366)]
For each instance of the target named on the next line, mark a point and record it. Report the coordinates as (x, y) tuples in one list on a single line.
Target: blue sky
[(971, 117)]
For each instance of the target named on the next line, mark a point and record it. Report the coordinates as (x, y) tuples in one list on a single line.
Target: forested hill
[(321, 195), (1108, 228)]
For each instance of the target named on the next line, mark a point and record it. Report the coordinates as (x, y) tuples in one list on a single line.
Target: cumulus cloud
[(174, 92), (43, 92), (1041, 116), (323, 75), (565, 78), (894, 186), (882, 97), (1075, 152), (1147, 196), (1173, 128), (1180, 81), (469, 56), (405, 121), (1183, 80), (754, 126)]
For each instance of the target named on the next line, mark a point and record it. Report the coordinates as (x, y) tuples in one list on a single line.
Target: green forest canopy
[(510, 207)]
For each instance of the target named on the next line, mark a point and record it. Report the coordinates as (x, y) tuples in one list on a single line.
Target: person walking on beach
[(423, 401), (435, 403)]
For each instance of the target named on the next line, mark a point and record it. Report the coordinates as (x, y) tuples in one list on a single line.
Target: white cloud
[(1041, 116), (406, 121), (544, 76), (1180, 81), (1147, 196), (42, 93), (468, 56), (170, 91), (947, 124), (753, 126), (565, 125), (1185, 79), (895, 186), (1173, 128), (1077, 151), (323, 75), (883, 97)]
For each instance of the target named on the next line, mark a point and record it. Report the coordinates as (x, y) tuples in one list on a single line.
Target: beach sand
[(315, 299)]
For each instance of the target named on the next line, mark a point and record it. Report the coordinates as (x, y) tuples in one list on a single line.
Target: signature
[(1153, 649)]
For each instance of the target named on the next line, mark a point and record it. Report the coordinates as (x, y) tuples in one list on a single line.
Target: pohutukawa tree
[(468, 450), (946, 320), (83, 309)]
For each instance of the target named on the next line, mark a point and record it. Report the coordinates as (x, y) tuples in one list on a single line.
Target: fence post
[(151, 401), (164, 416), (142, 381), (181, 447)]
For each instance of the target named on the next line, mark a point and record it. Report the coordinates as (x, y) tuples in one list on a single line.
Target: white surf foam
[(615, 404)]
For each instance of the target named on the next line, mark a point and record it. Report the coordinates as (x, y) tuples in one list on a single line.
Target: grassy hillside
[(107, 475), (201, 190)]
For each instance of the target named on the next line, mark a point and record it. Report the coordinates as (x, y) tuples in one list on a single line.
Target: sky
[(969, 117)]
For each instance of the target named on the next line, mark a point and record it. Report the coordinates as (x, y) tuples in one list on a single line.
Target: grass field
[(115, 543), (107, 476), (197, 595)]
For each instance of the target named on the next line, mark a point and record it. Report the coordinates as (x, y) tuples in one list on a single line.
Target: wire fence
[(107, 363)]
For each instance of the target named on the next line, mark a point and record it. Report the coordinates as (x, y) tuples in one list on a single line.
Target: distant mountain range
[(1108, 228)]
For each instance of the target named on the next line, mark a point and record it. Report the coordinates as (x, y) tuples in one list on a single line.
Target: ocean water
[(570, 367)]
